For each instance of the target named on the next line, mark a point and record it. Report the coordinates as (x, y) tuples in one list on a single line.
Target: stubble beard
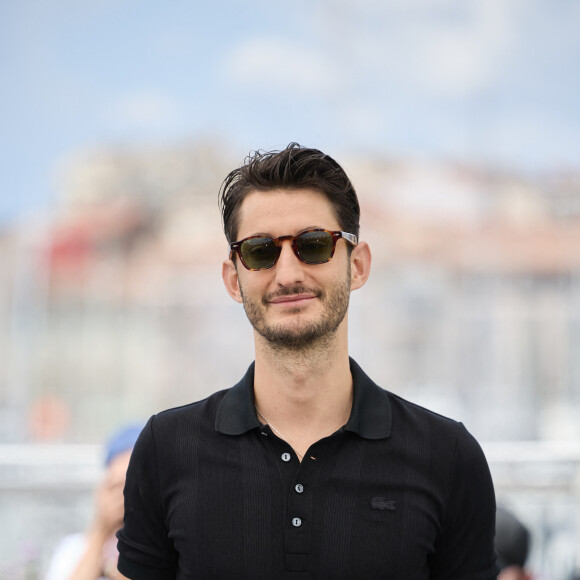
[(300, 336)]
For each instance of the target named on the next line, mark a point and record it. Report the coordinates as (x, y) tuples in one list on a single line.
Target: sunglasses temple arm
[(350, 237)]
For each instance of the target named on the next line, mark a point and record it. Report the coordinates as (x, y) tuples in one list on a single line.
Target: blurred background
[(459, 124)]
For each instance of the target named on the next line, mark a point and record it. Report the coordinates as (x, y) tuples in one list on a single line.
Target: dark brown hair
[(295, 167)]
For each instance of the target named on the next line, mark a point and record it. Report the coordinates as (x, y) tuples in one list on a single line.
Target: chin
[(297, 335)]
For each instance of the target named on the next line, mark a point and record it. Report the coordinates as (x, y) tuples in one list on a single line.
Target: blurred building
[(479, 300), (113, 308)]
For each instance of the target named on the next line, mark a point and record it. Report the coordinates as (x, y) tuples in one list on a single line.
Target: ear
[(231, 282), (360, 265)]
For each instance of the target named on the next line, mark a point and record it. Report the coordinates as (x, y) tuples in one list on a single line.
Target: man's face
[(293, 304)]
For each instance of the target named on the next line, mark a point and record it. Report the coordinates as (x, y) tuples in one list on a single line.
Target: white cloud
[(533, 138), (451, 63), (278, 64), (458, 58), (148, 110), (447, 48)]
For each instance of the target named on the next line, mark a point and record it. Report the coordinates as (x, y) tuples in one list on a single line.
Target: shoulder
[(185, 419), (381, 414), (447, 441), (197, 409), (170, 439), (411, 416)]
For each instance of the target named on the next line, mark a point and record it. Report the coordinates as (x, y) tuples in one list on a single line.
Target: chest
[(350, 510)]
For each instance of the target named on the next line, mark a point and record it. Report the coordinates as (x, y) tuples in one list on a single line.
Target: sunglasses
[(315, 246)]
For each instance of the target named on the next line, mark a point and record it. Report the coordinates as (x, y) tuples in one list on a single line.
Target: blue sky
[(494, 81)]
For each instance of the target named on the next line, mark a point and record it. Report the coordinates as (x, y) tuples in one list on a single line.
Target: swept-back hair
[(295, 167)]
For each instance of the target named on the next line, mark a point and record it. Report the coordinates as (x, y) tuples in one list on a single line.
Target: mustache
[(291, 291)]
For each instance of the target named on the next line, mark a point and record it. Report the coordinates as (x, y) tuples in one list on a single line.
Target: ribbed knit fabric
[(398, 493)]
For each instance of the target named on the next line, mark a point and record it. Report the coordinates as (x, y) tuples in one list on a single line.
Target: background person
[(93, 554), (512, 542)]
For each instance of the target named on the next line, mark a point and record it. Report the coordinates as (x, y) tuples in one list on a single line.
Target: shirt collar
[(371, 409), (370, 416), (236, 414)]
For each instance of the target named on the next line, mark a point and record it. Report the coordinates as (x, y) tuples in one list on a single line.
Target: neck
[(306, 395)]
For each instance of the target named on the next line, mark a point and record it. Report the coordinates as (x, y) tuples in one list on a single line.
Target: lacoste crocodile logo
[(381, 503)]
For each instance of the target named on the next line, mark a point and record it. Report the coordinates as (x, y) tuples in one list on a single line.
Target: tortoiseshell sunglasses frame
[(236, 247)]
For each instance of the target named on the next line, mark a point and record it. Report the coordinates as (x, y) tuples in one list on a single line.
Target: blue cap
[(122, 440)]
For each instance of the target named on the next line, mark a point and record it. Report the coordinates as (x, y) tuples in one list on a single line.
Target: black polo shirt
[(398, 493)]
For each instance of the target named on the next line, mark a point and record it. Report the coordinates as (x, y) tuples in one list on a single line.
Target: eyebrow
[(299, 231)]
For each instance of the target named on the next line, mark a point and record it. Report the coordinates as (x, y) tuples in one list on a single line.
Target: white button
[(299, 488), (286, 457), (296, 522)]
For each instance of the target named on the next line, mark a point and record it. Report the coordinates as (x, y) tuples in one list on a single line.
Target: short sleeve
[(465, 549), (145, 549)]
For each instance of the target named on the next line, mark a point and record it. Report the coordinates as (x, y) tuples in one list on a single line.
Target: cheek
[(254, 282), (250, 290)]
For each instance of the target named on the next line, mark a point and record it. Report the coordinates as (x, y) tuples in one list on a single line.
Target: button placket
[(278, 444), (299, 508), (301, 492)]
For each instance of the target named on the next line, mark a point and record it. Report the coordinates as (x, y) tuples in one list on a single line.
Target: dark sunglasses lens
[(259, 253), (315, 247)]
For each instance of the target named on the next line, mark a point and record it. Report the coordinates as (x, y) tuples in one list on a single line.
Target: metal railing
[(46, 492)]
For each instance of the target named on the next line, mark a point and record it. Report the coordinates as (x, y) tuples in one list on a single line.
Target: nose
[(289, 269)]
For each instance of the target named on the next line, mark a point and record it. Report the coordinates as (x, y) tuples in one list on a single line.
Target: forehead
[(282, 212)]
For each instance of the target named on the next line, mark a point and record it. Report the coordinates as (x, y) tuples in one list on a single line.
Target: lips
[(292, 299), (292, 296)]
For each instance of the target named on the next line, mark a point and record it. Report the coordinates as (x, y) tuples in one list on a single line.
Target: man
[(92, 555), (305, 468), (512, 543)]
